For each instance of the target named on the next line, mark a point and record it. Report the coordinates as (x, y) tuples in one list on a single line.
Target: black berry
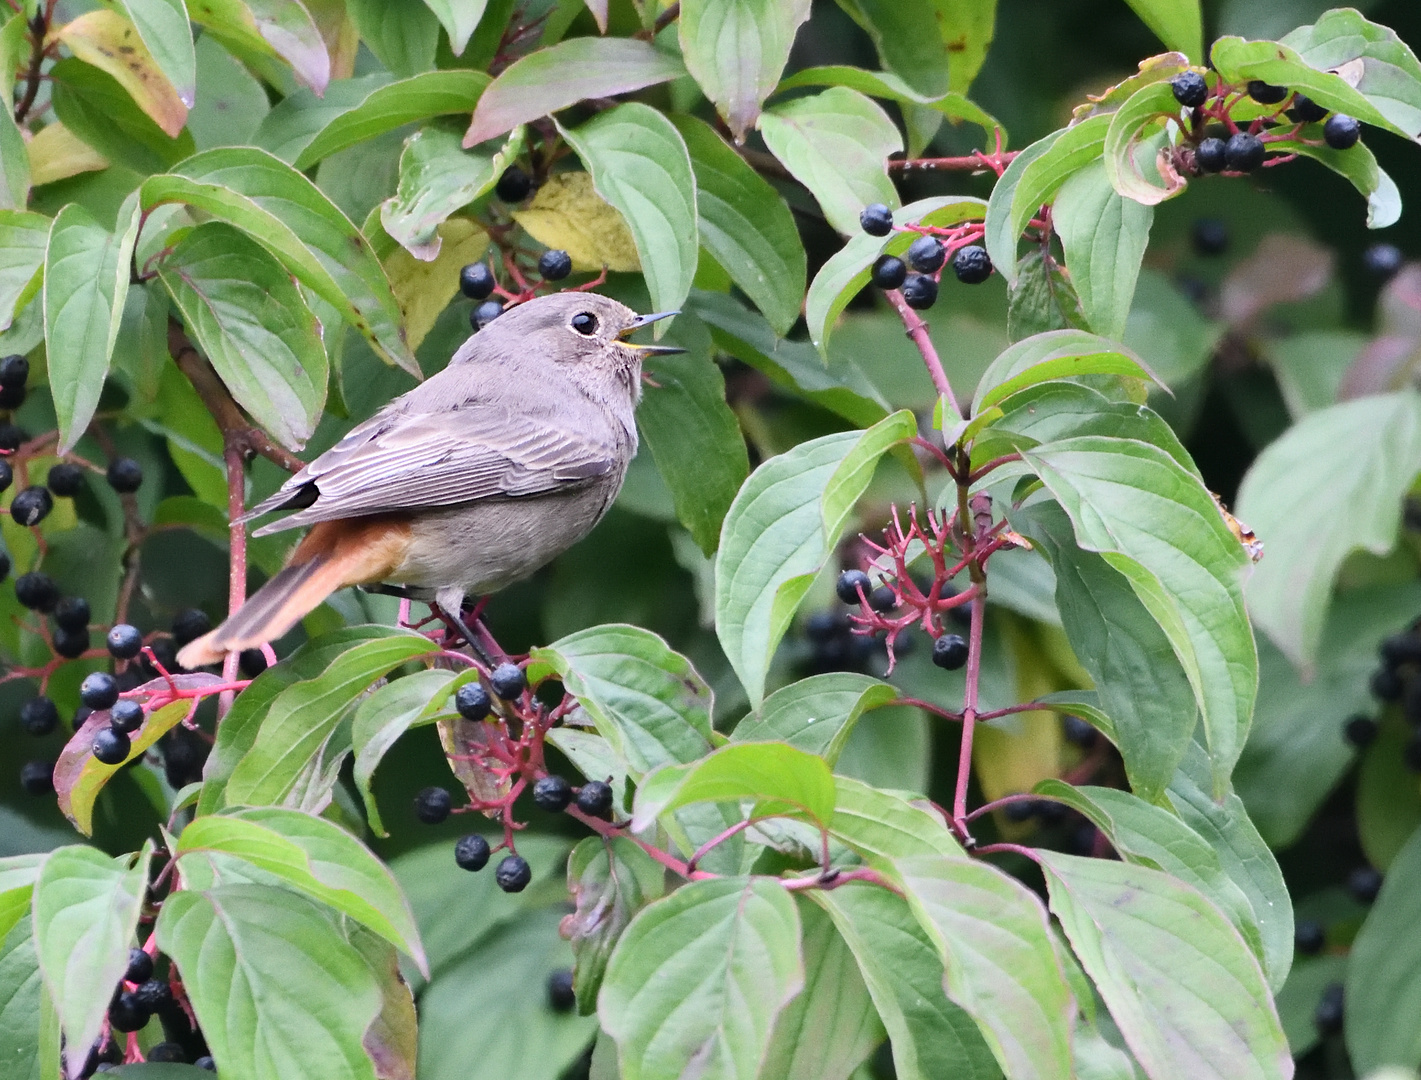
[(1243, 152), (1211, 236), (71, 644), (513, 874), (37, 777), (111, 747), (1305, 110), (190, 625), (508, 681), (888, 272), (1382, 261), (124, 475), (595, 799), (851, 583), (154, 994), (1190, 89), (251, 662), (552, 793), (124, 642), (205, 1062), (950, 651), (72, 612), (14, 370), (81, 714), (11, 437), (972, 265), (1328, 1015), (485, 313), (823, 626), (12, 397), (472, 702), (126, 715), (1341, 131), (36, 591), (876, 219), (513, 186), (165, 653), (169, 1052), (919, 292), (1386, 685), (4, 566), (1364, 883), (32, 505), (560, 995), (39, 716), (926, 254), (476, 281), (471, 852), (140, 967), (554, 265), (882, 599), (1266, 93), (1309, 937), (7, 475), (1211, 155), (1077, 731), (1020, 810), (98, 690), (126, 1014), (65, 479), (1360, 731), (432, 805)]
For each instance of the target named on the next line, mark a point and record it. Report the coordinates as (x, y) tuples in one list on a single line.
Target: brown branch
[(38, 28), (665, 19)]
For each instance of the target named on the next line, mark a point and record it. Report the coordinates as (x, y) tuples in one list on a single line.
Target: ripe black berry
[(1364, 883), (1309, 937), (205, 1062), (11, 437), (72, 613), (926, 254), (124, 475), (476, 281), (595, 799), (1382, 261), (888, 272), (508, 681), (32, 505), (111, 747), (126, 715), (1021, 810), (1360, 731), (876, 219), (7, 475), (882, 599), (472, 701), (11, 397), (919, 292), (1328, 1015), (190, 625), (14, 370), (851, 583), (140, 967), (169, 1052), (124, 642), (1266, 93), (37, 777), (972, 265), (560, 995), (485, 313), (65, 479), (1190, 89), (154, 994), (36, 591), (126, 1014), (950, 651), (1305, 110), (1211, 155), (824, 626), (554, 265), (513, 186), (39, 716), (1386, 685), (1077, 731), (98, 690), (471, 852), (251, 662), (432, 805), (513, 874), (1341, 131), (1211, 236), (1243, 152), (552, 793), (71, 644)]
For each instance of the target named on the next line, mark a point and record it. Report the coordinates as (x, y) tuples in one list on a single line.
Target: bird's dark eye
[(584, 322)]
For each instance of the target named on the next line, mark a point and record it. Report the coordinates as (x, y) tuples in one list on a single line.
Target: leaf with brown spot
[(111, 43)]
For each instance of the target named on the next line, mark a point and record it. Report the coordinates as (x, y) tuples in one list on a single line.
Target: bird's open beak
[(652, 350)]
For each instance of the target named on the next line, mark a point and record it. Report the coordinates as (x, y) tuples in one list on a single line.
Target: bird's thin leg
[(449, 604)]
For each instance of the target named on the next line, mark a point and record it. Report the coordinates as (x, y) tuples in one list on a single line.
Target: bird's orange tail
[(332, 555)]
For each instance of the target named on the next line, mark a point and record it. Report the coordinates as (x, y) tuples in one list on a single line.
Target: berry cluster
[(926, 256), (1310, 938), (1396, 681), (141, 995)]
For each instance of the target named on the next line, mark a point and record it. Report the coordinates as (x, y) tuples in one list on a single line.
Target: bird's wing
[(403, 462)]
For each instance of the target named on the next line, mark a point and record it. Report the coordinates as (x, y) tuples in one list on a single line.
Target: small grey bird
[(469, 482)]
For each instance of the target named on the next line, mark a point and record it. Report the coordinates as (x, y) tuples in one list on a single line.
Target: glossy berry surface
[(850, 584), (32, 505), (1266, 93), (65, 479), (126, 715), (140, 967), (1211, 155), (926, 254), (124, 642), (11, 437), (472, 702), (1382, 261), (1306, 110), (7, 475), (554, 265), (126, 1014), (39, 716), (205, 1062), (1341, 132), (124, 475), (476, 281), (485, 313), (950, 651), (513, 874), (72, 612), (508, 681), (552, 793), (98, 690), (1190, 89), (595, 799), (514, 185), (167, 1052), (36, 591), (919, 292), (1243, 152), (111, 747), (1360, 731), (154, 994), (560, 994), (14, 370), (37, 777), (12, 397), (432, 805), (888, 272), (876, 219), (471, 852), (972, 265), (883, 599)]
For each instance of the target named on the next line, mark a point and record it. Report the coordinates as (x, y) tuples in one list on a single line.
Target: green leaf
[(277, 988), (994, 938), (163, 26), (14, 166), (21, 989), (86, 271), (315, 857), (263, 28), (459, 18), (1359, 165), (782, 780), (23, 240), (930, 1036), (1155, 522), (817, 714), (18, 874), (774, 542), (386, 714), (1313, 507), (289, 216), (828, 1030), (299, 117), (247, 316), (700, 977), (86, 909), (1297, 1002), (14, 50), (1133, 141), (610, 881), (92, 105), (640, 165), (910, 39), (302, 716), (551, 79), (403, 34), (437, 177), (836, 143), (968, 27), (881, 826), (1184, 989), (1056, 354), (231, 102), (1177, 23), (1390, 73), (1042, 298), (745, 225), (1105, 236), (736, 51), (430, 94), (882, 84)]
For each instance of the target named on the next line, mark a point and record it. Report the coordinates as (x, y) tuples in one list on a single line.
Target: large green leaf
[(1390, 73), (1139, 131), (610, 881), (1312, 507), (93, 106), (1105, 236), (14, 166), (1187, 994), (23, 239), (18, 874), (736, 51), (640, 165), (1056, 354), (163, 26), (269, 28), (1359, 165), (817, 714), (403, 34), (1178, 23), (386, 714), (746, 225), (299, 117), (277, 988), (882, 826), (836, 143), (700, 977), (1032, 178), (1042, 297), (459, 18), (910, 39), (21, 990), (778, 778)]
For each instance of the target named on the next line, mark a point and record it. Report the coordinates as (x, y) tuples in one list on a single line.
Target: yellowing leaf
[(424, 289), (111, 43), (56, 153), (568, 213)]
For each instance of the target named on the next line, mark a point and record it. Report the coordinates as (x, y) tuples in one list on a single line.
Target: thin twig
[(237, 549), (918, 332), (39, 27)]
